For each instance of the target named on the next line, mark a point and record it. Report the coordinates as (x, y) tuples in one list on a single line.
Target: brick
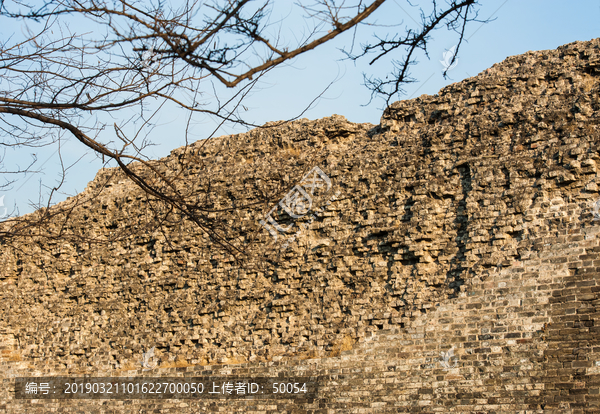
[(457, 271)]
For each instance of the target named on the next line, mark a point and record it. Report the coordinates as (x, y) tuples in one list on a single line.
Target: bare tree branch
[(455, 15), (106, 85)]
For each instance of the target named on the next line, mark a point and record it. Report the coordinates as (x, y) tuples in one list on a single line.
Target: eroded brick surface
[(464, 221)]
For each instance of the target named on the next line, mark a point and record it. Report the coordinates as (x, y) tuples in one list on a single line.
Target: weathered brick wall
[(464, 221)]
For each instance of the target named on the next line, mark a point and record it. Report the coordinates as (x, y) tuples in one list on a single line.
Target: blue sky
[(519, 26)]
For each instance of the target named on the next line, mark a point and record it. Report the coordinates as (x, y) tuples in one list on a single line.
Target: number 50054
[(288, 388)]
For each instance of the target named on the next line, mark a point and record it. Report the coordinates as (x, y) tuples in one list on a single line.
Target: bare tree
[(148, 55)]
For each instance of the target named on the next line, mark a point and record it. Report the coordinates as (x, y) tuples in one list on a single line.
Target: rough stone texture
[(464, 220)]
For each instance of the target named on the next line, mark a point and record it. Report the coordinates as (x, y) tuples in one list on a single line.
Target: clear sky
[(519, 26)]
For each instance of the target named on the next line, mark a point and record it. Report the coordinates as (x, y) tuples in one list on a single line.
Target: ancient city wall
[(464, 222)]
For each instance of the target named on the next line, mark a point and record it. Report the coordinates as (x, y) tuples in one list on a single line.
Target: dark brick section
[(456, 272)]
